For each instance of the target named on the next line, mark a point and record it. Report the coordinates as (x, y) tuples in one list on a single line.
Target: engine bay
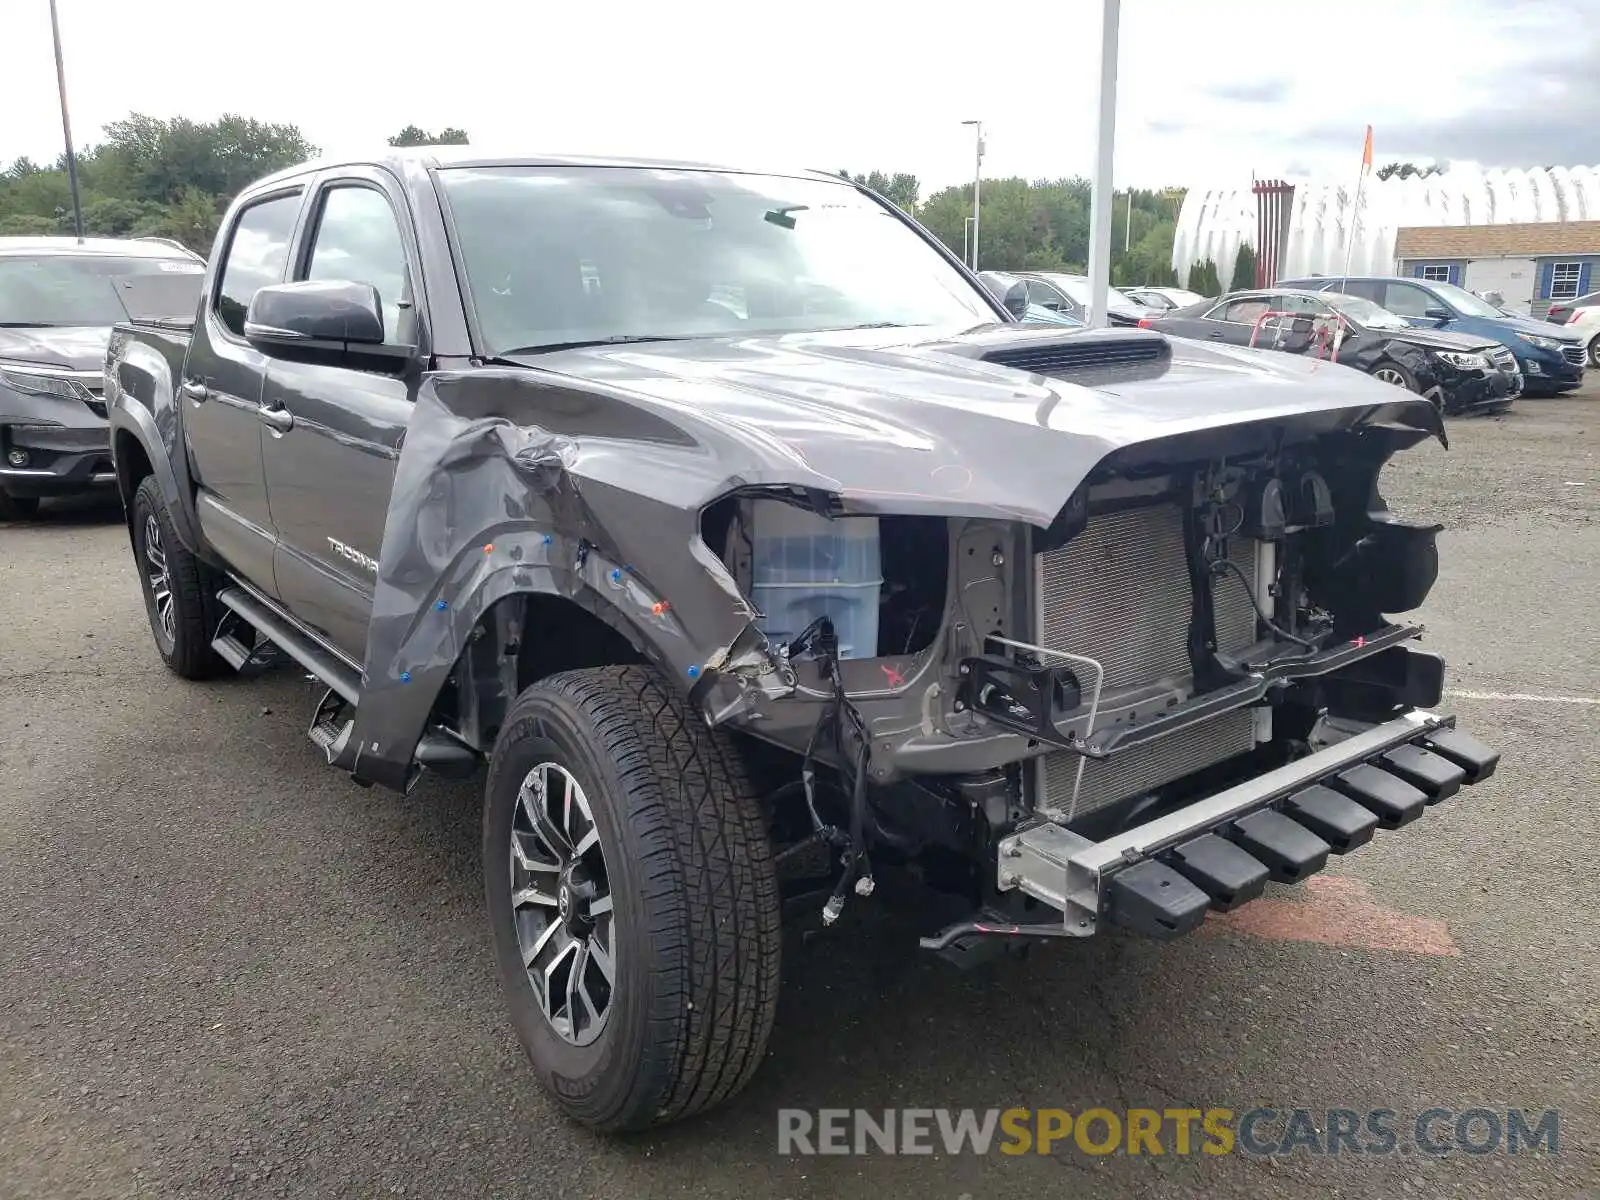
[(1181, 626)]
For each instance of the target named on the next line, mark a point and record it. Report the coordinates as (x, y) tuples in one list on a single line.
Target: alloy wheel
[(561, 903), (1390, 375), (159, 578)]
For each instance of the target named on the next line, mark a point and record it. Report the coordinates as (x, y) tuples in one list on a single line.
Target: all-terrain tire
[(18, 508), (695, 935), (186, 646)]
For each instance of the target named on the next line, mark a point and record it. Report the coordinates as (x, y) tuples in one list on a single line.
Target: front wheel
[(1393, 372), (632, 899), (1594, 352)]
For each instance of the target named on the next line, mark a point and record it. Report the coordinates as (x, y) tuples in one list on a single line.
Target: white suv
[(1581, 316)]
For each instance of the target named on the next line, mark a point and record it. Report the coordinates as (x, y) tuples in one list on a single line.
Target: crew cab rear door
[(331, 450), (220, 391)]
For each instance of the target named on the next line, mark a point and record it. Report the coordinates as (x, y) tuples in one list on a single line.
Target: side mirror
[(286, 316), (1436, 314)]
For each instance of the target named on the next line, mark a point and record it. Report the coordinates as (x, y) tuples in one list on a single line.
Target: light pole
[(977, 180), (66, 126), (1101, 194)]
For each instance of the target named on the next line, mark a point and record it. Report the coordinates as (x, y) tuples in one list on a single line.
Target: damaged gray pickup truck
[(765, 558)]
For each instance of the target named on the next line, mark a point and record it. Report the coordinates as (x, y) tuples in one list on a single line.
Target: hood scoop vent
[(1075, 353)]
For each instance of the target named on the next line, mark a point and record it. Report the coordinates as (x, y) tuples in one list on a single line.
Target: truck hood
[(74, 347), (891, 426)]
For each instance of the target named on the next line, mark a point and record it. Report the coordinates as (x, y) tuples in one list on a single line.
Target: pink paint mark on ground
[(1335, 910)]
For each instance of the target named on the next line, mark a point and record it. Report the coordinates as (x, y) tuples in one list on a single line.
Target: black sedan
[(1460, 372)]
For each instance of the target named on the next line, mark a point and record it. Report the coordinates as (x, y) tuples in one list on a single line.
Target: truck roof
[(402, 160), (120, 247)]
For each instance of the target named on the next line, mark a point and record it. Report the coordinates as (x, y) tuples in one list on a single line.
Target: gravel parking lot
[(227, 970)]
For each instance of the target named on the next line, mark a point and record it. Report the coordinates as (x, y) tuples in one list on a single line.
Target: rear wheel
[(18, 508), (632, 899), (175, 585)]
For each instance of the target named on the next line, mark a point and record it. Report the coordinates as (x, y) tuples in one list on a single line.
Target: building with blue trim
[(1529, 264)]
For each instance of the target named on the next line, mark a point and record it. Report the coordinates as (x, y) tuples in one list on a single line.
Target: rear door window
[(257, 253)]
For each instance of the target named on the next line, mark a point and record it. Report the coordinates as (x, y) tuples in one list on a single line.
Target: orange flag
[(1366, 151)]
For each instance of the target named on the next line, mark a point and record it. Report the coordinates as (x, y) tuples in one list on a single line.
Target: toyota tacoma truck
[(762, 555)]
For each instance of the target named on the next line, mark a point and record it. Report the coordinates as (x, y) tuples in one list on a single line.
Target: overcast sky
[(1210, 90)]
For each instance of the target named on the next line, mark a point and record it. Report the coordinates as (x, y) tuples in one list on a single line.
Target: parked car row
[(1459, 372), (1551, 361)]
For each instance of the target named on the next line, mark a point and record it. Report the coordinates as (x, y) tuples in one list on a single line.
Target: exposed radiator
[(1119, 593)]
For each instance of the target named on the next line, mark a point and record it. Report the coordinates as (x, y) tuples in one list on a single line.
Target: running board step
[(331, 726), (319, 661), (231, 648)]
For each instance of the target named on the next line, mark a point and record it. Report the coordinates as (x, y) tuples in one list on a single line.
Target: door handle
[(1217, 336), (276, 418), (195, 390)]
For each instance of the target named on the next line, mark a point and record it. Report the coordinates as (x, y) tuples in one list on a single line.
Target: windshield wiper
[(29, 325), (616, 339)]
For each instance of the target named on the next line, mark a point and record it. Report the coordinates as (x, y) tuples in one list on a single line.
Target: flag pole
[(1355, 211), (66, 125)]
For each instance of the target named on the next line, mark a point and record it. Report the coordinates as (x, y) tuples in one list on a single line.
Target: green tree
[(143, 158), (1203, 279), (415, 135), (28, 225), (1043, 225), (1244, 268), (900, 189), (151, 177)]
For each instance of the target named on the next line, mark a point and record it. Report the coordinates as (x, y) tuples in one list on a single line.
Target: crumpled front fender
[(487, 503)]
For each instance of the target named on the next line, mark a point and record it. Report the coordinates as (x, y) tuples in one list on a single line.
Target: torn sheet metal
[(505, 485)]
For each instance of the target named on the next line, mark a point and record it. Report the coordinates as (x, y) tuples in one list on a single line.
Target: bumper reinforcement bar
[(1161, 877)]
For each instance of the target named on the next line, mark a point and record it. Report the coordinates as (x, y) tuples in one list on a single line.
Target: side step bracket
[(322, 663)]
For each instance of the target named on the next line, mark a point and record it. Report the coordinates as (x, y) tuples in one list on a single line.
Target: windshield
[(1465, 302), (556, 255), (1365, 312), (66, 289), (1078, 289)]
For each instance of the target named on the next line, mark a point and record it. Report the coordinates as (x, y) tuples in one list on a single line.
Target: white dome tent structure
[(1215, 222)]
